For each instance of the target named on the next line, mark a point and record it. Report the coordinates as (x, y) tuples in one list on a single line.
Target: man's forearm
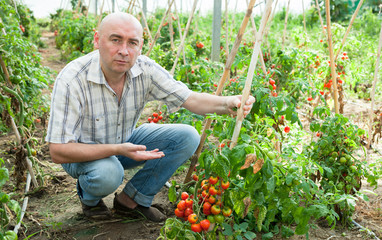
[(80, 152)]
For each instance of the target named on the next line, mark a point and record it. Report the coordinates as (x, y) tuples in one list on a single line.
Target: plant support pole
[(348, 30), (332, 62), (219, 89), (184, 37), (371, 111), (251, 72)]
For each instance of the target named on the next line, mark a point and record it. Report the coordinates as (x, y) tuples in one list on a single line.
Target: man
[(96, 103)]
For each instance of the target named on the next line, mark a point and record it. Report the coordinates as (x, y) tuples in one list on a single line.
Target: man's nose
[(124, 50)]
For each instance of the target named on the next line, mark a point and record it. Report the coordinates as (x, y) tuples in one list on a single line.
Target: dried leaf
[(247, 202), (251, 158), (258, 165)]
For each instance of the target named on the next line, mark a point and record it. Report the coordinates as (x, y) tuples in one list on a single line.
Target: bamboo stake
[(100, 14), (348, 29), (180, 31), (251, 71), (145, 21), (184, 37), (171, 29), (303, 14), (371, 111), (25, 203), (87, 12), (226, 29), (319, 15), (157, 34), (269, 27), (221, 83), (262, 63), (285, 24), (332, 60)]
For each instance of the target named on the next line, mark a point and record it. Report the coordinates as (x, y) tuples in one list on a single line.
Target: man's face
[(119, 43)]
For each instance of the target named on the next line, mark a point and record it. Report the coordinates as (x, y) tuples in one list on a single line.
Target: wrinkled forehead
[(120, 18)]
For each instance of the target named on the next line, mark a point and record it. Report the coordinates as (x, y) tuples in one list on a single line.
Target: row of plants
[(254, 188), (22, 103)]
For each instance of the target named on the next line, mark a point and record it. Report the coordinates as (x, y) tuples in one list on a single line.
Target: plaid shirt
[(85, 109)]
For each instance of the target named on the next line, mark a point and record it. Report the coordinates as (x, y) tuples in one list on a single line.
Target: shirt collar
[(96, 75)]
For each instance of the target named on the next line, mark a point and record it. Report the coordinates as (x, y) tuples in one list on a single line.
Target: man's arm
[(203, 103), (80, 152)]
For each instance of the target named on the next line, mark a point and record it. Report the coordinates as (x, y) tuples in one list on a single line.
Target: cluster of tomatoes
[(273, 86), (155, 117), (208, 208), (199, 45)]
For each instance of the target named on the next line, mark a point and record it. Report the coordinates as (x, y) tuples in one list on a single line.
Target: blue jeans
[(99, 178)]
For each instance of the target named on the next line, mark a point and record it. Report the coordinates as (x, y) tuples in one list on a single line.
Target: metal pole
[(216, 30)]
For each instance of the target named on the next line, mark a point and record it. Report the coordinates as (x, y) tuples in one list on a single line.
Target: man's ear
[(96, 40)]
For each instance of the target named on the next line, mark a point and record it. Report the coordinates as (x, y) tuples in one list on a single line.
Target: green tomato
[(10, 235), (342, 160), (334, 154), (353, 168), (219, 218), (271, 155), (348, 157), (211, 218)]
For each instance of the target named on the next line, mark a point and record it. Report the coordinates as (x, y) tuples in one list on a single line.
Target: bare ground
[(54, 211)]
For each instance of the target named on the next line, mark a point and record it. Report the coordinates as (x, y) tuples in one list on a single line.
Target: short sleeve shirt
[(85, 108)]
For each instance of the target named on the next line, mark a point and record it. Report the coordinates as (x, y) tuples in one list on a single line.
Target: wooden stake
[(332, 60), (219, 89), (157, 34), (371, 111), (303, 14), (184, 37), (251, 71), (348, 29), (319, 15), (285, 24), (145, 21)]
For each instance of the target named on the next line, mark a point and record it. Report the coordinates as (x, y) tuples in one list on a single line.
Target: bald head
[(120, 17)]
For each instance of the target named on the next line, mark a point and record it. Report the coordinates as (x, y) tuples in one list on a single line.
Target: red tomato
[(286, 129), (192, 218), (225, 185), (212, 199), (212, 190), (160, 117), (271, 81), (310, 99), (205, 224), (155, 120), (215, 209), (182, 205), (227, 211), (195, 177), (207, 206), (155, 114), (188, 212), (184, 195), (196, 227), (149, 119), (179, 213), (213, 180), (189, 203), (205, 184)]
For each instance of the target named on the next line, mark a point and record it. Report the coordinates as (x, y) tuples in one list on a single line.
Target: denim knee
[(104, 179), (189, 137)]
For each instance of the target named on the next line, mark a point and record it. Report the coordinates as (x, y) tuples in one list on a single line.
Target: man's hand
[(235, 102), (138, 152)]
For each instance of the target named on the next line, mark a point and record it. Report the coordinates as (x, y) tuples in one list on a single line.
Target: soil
[(54, 210)]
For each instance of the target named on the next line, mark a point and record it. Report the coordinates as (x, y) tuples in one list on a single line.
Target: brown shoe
[(98, 212), (150, 213)]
